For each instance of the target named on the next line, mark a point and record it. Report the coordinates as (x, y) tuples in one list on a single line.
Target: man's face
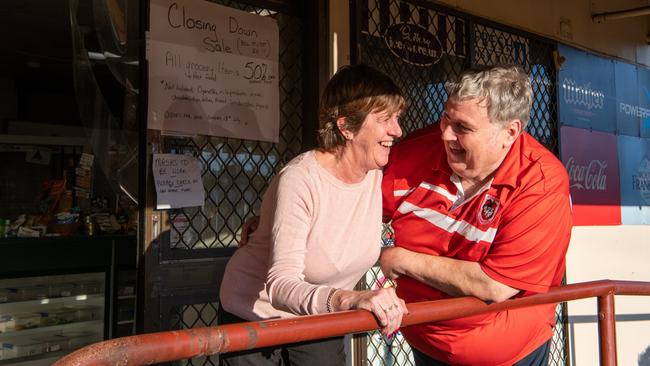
[(475, 146)]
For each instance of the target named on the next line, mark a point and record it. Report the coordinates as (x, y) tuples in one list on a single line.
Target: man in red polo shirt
[(479, 208)]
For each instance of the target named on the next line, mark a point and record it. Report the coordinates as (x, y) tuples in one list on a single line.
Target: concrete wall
[(610, 252)]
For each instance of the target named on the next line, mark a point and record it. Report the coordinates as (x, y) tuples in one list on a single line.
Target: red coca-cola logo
[(590, 176)]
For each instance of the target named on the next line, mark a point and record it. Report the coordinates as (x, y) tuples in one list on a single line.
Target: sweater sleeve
[(292, 220)]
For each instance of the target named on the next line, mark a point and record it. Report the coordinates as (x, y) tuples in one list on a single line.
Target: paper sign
[(39, 155), (213, 70), (178, 181)]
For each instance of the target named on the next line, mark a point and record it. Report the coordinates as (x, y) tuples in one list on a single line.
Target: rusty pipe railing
[(168, 346)]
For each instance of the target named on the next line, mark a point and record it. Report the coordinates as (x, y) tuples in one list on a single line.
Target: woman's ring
[(394, 306)]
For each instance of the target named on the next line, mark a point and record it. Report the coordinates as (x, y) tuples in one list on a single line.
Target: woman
[(320, 225)]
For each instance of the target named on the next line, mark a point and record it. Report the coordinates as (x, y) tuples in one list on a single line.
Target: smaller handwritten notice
[(178, 181)]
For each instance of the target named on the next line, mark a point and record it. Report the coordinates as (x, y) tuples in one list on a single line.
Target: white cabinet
[(44, 317)]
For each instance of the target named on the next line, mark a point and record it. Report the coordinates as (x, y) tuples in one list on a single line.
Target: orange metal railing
[(183, 344)]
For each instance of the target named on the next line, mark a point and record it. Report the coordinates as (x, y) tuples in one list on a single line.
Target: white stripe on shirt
[(444, 222), (402, 192), (427, 186), (441, 191)]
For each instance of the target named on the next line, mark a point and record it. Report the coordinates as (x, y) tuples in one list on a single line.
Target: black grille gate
[(462, 41), (235, 173)]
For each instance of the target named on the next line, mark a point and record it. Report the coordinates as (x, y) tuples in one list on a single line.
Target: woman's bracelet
[(329, 299)]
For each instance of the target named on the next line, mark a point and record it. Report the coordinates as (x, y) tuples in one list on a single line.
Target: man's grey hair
[(506, 90)]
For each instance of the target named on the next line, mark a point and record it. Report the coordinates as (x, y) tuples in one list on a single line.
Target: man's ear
[(513, 129), (340, 124)]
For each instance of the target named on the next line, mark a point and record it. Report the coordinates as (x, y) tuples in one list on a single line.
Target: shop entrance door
[(186, 250)]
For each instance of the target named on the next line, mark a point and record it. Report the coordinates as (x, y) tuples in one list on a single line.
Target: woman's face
[(370, 146)]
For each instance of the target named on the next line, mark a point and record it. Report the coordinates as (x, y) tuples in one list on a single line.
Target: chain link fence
[(461, 41)]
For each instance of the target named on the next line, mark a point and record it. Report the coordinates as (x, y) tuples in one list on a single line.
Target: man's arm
[(452, 276)]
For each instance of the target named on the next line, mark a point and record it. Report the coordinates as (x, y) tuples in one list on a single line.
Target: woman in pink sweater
[(320, 225)]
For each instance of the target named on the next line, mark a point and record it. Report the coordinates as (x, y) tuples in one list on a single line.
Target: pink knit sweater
[(315, 233)]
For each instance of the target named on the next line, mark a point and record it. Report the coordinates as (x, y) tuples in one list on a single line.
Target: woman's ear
[(340, 124)]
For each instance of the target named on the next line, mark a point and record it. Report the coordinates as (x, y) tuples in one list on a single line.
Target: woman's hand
[(383, 303)]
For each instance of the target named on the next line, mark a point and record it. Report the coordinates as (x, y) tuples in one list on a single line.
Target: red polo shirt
[(517, 228)]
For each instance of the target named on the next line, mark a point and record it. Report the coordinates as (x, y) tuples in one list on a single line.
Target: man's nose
[(447, 131)]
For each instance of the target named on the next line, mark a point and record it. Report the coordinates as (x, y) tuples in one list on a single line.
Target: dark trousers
[(538, 357), (325, 352)]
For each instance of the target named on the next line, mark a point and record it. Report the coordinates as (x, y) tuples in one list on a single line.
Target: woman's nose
[(395, 129)]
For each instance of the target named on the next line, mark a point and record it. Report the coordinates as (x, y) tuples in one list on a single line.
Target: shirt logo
[(488, 210)]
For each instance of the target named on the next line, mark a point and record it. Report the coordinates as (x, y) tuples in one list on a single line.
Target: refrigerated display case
[(60, 294), (45, 317)]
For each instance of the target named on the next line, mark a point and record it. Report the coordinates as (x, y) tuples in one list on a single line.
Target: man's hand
[(249, 227)]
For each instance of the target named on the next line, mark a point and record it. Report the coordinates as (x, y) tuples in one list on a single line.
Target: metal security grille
[(460, 41), (194, 316), (236, 172)]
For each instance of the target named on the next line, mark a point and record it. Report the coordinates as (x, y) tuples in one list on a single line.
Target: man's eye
[(460, 128)]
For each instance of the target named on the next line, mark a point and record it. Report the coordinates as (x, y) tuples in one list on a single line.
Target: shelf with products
[(93, 326), (39, 348), (68, 300), (43, 314), (35, 360), (62, 278)]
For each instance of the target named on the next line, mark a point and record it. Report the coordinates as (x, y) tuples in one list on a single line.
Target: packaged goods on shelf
[(54, 343), (58, 316), (26, 293), (6, 323), (61, 289), (87, 288), (86, 312), (8, 295), (13, 322), (22, 348), (80, 339)]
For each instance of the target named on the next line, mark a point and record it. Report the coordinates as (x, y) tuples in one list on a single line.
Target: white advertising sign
[(213, 70), (178, 181)]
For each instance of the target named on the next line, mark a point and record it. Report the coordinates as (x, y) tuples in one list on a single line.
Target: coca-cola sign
[(590, 176), (591, 161)]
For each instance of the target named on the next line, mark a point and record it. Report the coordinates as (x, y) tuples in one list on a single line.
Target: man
[(479, 208)]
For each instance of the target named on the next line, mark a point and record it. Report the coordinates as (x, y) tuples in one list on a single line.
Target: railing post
[(607, 330)]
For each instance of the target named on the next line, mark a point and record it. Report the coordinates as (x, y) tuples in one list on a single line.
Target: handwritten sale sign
[(178, 181), (213, 70)]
